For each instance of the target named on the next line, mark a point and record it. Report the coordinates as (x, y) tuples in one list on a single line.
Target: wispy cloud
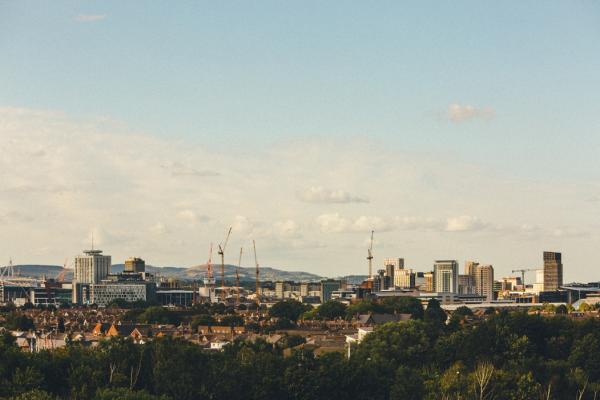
[(180, 169), (463, 112), (335, 223), (465, 223), (90, 17), (318, 194), (150, 196)]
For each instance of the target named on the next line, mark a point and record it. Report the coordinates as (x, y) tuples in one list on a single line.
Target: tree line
[(506, 355)]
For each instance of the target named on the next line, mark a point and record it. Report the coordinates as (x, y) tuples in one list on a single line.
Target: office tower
[(327, 287), (381, 281), (405, 278), (553, 271), (484, 281), (397, 263), (445, 276), (91, 267), (466, 284), (428, 285), (134, 264), (393, 266), (470, 267), (389, 271)]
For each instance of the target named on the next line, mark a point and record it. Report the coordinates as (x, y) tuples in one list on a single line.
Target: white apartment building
[(92, 267), (445, 276)]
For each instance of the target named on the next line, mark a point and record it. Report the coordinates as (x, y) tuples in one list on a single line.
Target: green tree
[(232, 320), (288, 309), (26, 379), (407, 385), (396, 342), (434, 312), (35, 394), (293, 340), (126, 394), (404, 305), (585, 307), (454, 382), (203, 319), (364, 307), (157, 315), (585, 354), (18, 322), (331, 310), (561, 309)]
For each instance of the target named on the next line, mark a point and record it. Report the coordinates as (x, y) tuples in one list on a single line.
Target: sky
[(456, 130)]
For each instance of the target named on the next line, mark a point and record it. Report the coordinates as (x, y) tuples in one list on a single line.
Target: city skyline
[(470, 140)]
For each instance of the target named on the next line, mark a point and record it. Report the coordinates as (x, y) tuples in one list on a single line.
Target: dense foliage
[(504, 356)]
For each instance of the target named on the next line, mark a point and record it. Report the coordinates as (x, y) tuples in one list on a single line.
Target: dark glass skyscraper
[(553, 271)]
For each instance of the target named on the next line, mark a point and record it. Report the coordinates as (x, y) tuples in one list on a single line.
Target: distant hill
[(354, 279), (191, 273)]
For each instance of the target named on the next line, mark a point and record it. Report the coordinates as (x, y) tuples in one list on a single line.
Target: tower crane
[(370, 256), (237, 278), (209, 281), (222, 254), (522, 271), (257, 274)]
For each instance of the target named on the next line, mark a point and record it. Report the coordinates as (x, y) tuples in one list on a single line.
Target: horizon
[(455, 131)]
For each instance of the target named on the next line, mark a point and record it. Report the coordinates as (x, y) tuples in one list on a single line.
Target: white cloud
[(565, 232), (334, 223), (465, 223), (159, 229), (460, 113), (180, 169), (192, 217), (318, 194), (90, 17), (420, 223), (153, 197), (287, 228)]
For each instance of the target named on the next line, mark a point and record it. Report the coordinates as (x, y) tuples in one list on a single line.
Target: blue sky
[(510, 89)]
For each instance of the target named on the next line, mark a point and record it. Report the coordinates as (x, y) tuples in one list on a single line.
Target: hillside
[(191, 273)]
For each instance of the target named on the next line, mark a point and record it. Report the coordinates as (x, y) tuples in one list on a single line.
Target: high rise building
[(405, 278), (445, 276), (484, 281), (553, 271), (390, 272), (397, 263), (427, 282), (470, 267), (466, 284), (134, 264), (392, 267), (92, 267), (381, 281), (327, 287)]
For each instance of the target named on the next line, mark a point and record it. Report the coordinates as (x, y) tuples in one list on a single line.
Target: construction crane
[(209, 281), (237, 278), (522, 271), (257, 274), (222, 254), (370, 256)]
